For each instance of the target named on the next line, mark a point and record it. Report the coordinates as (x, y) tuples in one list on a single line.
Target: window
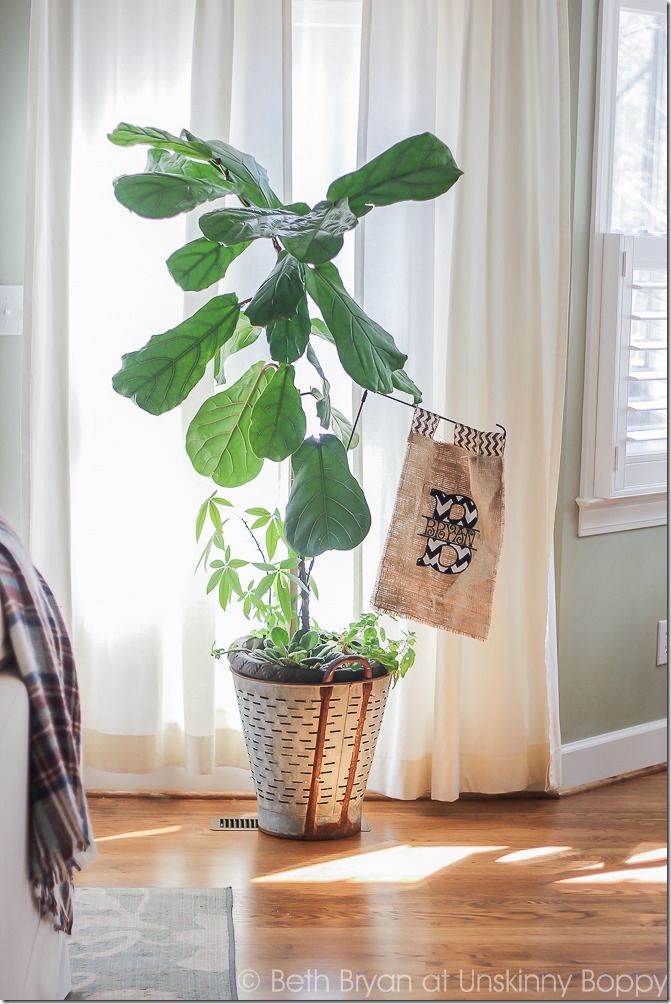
[(624, 473)]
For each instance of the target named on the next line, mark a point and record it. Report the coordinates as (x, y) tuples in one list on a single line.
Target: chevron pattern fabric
[(425, 422), (432, 557), (485, 444), (443, 507)]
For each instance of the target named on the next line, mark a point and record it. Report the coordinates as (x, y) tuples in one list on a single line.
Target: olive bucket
[(310, 748)]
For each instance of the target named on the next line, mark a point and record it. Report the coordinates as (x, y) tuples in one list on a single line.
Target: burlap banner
[(442, 549)]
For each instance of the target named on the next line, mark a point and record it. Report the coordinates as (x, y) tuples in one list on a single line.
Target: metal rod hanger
[(408, 404), (399, 400)]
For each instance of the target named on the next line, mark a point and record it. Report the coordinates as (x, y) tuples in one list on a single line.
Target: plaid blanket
[(40, 649)]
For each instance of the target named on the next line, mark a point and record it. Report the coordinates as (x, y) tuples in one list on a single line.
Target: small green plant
[(275, 574), (365, 637), (269, 597), (305, 649)]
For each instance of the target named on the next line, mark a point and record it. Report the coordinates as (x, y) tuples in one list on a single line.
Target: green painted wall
[(611, 588), (14, 24)]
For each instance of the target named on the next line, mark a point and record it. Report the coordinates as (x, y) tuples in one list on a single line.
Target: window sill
[(612, 515)]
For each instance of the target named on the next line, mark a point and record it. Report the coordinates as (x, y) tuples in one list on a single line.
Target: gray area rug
[(153, 944)]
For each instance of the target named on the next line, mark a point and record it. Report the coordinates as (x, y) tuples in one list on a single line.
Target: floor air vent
[(234, 823), (252, 823)]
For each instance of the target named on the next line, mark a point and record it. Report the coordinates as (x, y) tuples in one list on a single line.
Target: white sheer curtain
[(109, 493), (473, 287)]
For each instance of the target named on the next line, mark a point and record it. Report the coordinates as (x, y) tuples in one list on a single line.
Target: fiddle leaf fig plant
[(262, 415)]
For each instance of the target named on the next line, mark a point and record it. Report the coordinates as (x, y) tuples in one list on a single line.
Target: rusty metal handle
[(345, 660)]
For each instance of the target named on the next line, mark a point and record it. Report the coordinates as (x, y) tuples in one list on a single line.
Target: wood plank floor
[(507, 899)]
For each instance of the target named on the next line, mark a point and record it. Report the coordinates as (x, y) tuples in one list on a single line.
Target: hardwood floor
[(508, 899)]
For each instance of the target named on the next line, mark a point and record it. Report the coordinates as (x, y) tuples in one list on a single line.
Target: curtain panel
[(479, 282), (474, 288), (110, 497)]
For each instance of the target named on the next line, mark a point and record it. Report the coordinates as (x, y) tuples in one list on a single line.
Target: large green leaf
[(367, 352), (245, 335), (217, 440), (167, 162), (320, 232), (126, 134), (327, 509), (157, 196), (231, 226), (251, 178), (161, 374), (402, 382), (315, 236), (417, 168), (324, 410), (287, 339), (277, 298), (201, 262), (319, 328), (278, 420)]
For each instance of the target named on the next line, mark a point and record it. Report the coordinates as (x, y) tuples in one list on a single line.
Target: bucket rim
[(242, 663)]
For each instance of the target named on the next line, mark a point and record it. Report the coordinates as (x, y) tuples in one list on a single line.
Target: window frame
[(604, 505)]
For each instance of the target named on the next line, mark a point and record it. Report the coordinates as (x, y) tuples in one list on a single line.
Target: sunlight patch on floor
[(636, 875), (645, 853), (138, 833), (403, 864), (531, 854)]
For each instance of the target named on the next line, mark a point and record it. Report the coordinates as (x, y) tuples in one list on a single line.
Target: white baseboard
[(613, 753)]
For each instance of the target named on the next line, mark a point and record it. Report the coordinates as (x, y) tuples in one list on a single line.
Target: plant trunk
[(293, 595), (305, 595)]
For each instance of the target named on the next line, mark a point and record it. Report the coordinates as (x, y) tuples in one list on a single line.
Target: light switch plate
[(11, 310)]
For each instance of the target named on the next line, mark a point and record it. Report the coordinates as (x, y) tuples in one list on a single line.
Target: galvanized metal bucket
[(310, 748)]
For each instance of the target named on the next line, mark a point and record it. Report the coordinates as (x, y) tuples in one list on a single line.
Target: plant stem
[(293, 593), (253, 536), (305, 595), (260, 550)]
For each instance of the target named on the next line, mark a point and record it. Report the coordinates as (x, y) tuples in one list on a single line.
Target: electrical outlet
[(662, 653)]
